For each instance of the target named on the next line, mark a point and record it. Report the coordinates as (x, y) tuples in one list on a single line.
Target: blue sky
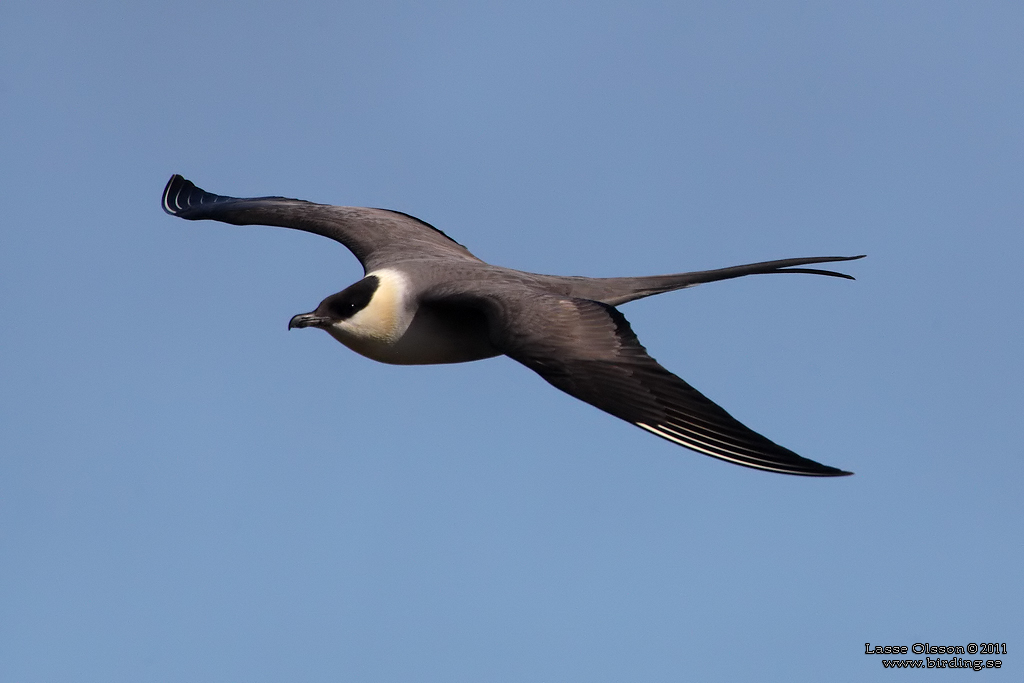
[(188, 491)]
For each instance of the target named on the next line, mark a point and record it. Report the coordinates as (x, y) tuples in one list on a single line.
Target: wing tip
[(832, 472), (181, 195), (172, 192), (802, 467)]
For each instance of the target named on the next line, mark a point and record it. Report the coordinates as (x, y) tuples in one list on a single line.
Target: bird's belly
[(435, 335)]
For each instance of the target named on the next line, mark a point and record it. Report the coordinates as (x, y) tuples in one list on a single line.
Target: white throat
[(383, 321)]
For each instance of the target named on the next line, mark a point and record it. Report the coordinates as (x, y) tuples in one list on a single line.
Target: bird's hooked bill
[(308, 320)]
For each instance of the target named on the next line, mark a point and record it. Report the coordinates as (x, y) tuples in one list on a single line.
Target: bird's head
[(338, 310)]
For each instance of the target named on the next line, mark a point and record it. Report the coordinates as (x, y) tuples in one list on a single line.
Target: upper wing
[(377, 237), (588, 350)]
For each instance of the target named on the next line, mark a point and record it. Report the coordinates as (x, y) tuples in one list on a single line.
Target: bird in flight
[(426, 299)]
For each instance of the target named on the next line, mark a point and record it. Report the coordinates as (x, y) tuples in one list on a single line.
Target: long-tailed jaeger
[(426, 299)]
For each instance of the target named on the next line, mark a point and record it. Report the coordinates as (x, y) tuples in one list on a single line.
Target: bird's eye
[(349, 302), (342, 309)]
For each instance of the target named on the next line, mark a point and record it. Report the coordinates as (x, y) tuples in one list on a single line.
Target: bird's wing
[(588, 350), (377, 237)]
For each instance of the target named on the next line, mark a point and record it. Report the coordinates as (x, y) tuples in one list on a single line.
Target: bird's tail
[(619, 290)]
